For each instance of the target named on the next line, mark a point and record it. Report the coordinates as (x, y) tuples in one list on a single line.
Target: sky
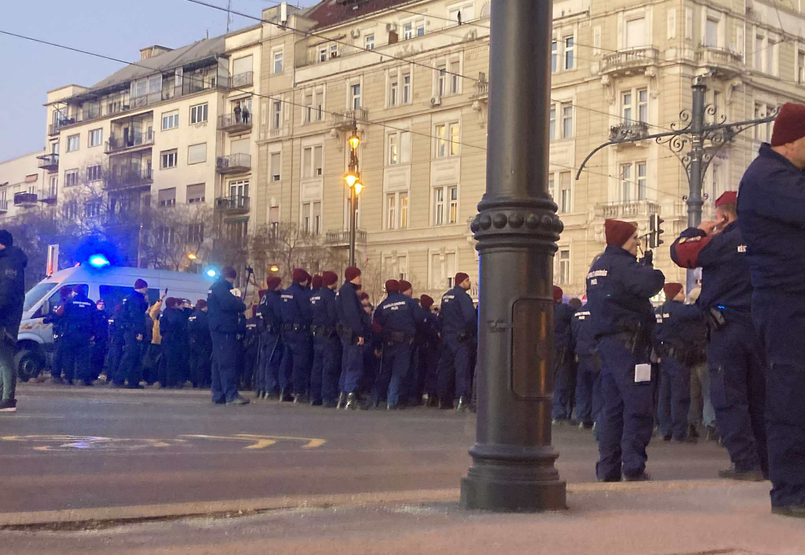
[(111, 27)]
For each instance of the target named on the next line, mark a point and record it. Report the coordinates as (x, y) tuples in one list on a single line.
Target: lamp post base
[(500, 495)]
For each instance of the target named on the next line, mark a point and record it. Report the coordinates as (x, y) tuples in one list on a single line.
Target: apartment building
[(21, 184), (413, 77)]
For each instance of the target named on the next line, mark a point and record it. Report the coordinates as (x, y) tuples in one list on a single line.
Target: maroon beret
[(618, 232)]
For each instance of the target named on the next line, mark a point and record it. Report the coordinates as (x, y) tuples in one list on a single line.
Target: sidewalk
[(654, 518)]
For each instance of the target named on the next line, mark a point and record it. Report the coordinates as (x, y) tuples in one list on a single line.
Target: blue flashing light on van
[(98, 261), (211, 273)]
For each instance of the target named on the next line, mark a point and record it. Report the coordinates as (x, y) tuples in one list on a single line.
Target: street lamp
[(191, 256), (353, 180), (274, 268)]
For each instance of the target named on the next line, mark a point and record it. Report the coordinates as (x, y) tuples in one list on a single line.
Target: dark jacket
[(323, 305), (581, 329), (79, 317), (133, 318), (100, 326), (676, 324), (350, 311), (198, 327), (12, 289), (562, 318), (296, 307), (173, 326), (271, 311), (396, 314), (619, 290), (223, 308), (458, 312), (771, 217)]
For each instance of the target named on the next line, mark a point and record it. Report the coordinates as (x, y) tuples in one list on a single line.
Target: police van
[(110, 283)]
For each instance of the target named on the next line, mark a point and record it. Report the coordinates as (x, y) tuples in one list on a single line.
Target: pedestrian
[(100, 343), (735, 355), (134, 325), (564, 379), (771, 210), (326, 368), (224, 309), (353, 331), (297, 316), (675, 326), (175, 342), (459, 325), (619, 289), (56, 318), (198, 327), (12, 295), (154, 369), (237, 112), (588, 382), (245, 114), (271, 362)]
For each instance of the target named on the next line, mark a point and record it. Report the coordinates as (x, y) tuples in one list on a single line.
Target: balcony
[(722, 62), (628, 131), (48, 196), (234, 163), (629, 61), (49, 162), (340, 237), (481, 91), (130, 179), (25, 200), (245, 79), (235, 123), (3, 206), (626, 210), (133, 142), (55, 128), (232, 205), (344, 120)]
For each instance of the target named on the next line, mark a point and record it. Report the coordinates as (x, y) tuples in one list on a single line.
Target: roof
[(332, 12)]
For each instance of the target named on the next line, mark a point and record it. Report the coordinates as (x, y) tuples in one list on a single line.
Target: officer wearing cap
[(353, 331), (459, 327), (326, 345), (198, 326), (588, 401), (674, 333), (564, 380), (619, 289), (771, 210), (56, 318), (429, 353), (271, 359), (225, 310), (297, 316), (79, 329), (133, 322)]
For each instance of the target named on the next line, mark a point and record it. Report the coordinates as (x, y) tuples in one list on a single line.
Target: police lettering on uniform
[(198, 327), (224, 310), (771, 210), (459, 328), (564, 379), (271, 358), (133, 324), (588, 396), (619, 290), (326, 369), (353, 331), (675, 326), (297, 317)]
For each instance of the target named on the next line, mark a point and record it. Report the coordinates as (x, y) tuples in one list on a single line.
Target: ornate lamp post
[(353, 181)]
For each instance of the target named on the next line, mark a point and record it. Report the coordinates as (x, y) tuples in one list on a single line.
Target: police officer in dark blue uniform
[(271, 359), (224, 310), (297, 316), (619, 290), (588, 399), (326, 345), (771, 210), (353, 331), (100, 342), (675, 328), (134, 325), (56, 318), (79, 328), (198, 327), (459, 327), (173, 329), (735, 357), (564, 380)]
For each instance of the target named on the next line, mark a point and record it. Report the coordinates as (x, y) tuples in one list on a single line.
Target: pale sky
[(111, 27)]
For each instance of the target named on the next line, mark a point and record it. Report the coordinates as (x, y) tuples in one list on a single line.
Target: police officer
[(224, 309), (252, 347), (675, 327), (564, 380), (134, 327), (735, 355), (429, 353), (353, 331), (198, 327), (79, 322), (459, 325), (619, 290), (326, 368), (173, 329), (116, 345), (271, 361), (12, 294), (771, 209), (100, 346), (297, 316), (56, 318), (588, 399)]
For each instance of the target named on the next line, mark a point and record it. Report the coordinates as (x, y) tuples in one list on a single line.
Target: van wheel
[(29, 365)]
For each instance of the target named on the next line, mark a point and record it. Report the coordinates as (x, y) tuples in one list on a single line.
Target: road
[(71, 448)]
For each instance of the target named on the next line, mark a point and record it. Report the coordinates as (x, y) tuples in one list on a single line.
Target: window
[(323, 54), (167, 197), (278, 61), (413, 29), (95, 137), (276, 114), (311, 217), (552, 126), (314, 105), (52, 190), (195, 233), (164, 235), (393, 150), (94, 173), (455, 77), (70, 178), (198, 113), (438, 206), (169, 159), (461, 14), (369, 42), (441, 81), (711, 32), (759, 52), (406, 90), (554, 55), (312, 162), (565, 193), (641, 181), (196, 154), (447, 140), (771, 48), (442, 269), (632, 109), (627, 107), (170, 120), (564, 266), (92, 209), (239, 191), (238, 231), (242, 66), (274, 165), (355, 96), (452, 214), (569, 51), (73, 143), (396, 210), (801, 67), (632, 190), (635, 33), (391, 211), (333, 50), (551, 186), (445, 205), (398, 148), (196, 193), (626, 183), (567, 121), (274, 218), (394, 87), (403, 210), (642, 105), (318, 105)]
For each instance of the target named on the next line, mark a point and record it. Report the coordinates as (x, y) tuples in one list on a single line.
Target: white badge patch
[(642, 373)]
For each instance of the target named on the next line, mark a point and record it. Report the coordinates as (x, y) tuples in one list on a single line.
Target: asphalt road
[(71, 448)]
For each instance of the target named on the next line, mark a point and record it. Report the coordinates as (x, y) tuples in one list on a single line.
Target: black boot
[(446, 404), (352, 402), (433, 401), (286, 397), (301, 399)]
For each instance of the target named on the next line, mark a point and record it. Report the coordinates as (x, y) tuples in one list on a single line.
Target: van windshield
[(36, 293)]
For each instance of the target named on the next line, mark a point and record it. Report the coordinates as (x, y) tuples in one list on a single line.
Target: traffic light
[(655, 231)]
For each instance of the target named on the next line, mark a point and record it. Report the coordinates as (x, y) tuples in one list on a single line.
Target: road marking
[(263, 441), (92, 443)]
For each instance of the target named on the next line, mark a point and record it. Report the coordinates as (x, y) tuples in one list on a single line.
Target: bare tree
[(174, 232)]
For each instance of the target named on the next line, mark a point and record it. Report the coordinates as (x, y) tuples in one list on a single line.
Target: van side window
[(113, 295), (52, 303)]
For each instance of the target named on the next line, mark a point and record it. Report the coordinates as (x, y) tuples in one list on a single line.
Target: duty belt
[(294, 327), (322, 331), (395, 337)]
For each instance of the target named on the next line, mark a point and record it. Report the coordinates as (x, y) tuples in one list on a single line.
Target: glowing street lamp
[(353, 180), (274, 269), (191, 256)]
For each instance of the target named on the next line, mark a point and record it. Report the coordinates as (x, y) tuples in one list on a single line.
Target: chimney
[(151, 51)]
